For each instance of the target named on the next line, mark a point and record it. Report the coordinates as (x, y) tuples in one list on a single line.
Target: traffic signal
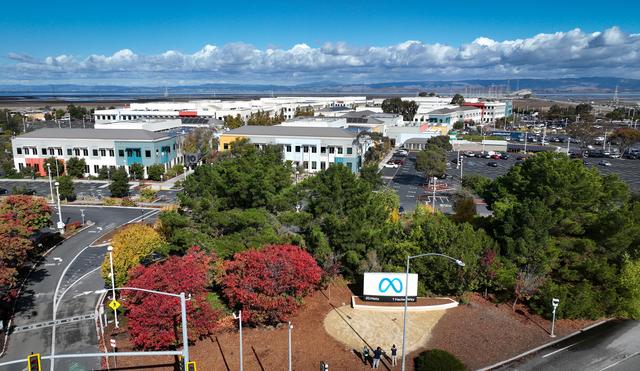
[(33, 362), (191, 366)]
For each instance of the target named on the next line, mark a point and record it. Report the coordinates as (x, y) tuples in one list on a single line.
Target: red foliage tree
[(20, 217), (154, 320), (269, 284)]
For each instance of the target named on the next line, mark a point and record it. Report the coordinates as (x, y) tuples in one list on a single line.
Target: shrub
[(127, 202), (148, 194), (269, 284), (119, 186), (66, 188), (437, 360), (110, 201), (72, 227), (155, 172), (130, 245)]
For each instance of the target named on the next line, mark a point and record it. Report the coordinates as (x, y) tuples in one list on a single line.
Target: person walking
[(377, 354), (365, 354), (394, 355)]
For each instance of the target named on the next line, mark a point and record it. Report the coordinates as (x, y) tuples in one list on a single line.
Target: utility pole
[(50, 181), (290, 327), (113, 284), (60, 223), (433, 200), (239, 318)]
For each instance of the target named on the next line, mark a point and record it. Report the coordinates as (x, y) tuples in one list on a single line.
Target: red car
[(398, 162), (496, 157)]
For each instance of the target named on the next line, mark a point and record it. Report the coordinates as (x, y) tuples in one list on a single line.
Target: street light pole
[(60, 223), (185, 173), (185, 336), (290, 327), (82, 215), (239, 318), (554, 303), (50, 181), (113, 284), (433, 200), (406, 296)]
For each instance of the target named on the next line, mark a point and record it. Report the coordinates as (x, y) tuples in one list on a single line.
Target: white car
[(391, 165), (402, 152), (604, 163)]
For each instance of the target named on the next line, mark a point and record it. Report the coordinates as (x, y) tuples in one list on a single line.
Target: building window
[(26, 150), (323, 165), (121, 152), (147, 153), (96, 169), (111, 152), (323, 149), (331, 149), (297, 149), (59, 151), (314, 165), (314, 149), (19, 150), (226, 146), (20, 166), (348, 165), (288, 148), (339, 150), (85, 152), (103, 152), (95, 152), (305, 164), (305, 149), (349, 150), (69, 152), (76, 151), (44, 151), (86, 169), (35, 150)]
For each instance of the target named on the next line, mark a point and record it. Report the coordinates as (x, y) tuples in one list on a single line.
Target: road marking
[(58, 259), (561, 349), (40, 325), (104, 185), (626, 357)]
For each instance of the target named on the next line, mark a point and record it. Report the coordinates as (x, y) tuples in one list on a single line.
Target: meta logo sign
[(380, 286)]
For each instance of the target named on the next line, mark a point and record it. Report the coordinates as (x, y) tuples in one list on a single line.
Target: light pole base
[(552, 335)]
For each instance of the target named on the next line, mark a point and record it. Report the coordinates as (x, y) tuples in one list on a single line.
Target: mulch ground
[(480, 333)]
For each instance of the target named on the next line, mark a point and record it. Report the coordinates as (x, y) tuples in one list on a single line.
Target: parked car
[(398, 161), (604, 163), (391, 164), (470, 154), (496, 157), (585, 163), (492, 164), (454, 161), (3, 191), (402, 152), (29, 192), (505, 156)]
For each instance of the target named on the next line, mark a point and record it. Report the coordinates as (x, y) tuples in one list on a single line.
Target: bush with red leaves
[(268, 285), (154, 320)]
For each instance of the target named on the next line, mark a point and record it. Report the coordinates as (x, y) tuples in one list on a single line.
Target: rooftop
[(117, 134), (292, 131)]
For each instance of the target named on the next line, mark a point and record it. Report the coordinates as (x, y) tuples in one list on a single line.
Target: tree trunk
[(514, 304)]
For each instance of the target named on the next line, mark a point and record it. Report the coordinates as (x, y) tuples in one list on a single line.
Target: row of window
[(314, 149), (131, 152), (314, 165)]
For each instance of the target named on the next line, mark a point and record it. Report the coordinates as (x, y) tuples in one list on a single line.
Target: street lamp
[(239, 318), (60, 223), (290, 327), (433, 199), (113, 284), (82, 215), (50, 181), (406, 295), (554, 303), (185, 173)]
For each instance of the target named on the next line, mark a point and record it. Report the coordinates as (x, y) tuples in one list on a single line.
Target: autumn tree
[(155, 320), (269, 284), (200, 140), (130, 245), (626, 138)]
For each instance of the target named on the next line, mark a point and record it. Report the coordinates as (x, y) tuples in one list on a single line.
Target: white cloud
[(561, 54)]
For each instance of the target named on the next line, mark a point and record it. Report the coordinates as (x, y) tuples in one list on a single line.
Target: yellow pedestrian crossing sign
[(114, 304)]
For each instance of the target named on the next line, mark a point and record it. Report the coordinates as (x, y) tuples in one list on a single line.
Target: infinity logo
[(391, 283)]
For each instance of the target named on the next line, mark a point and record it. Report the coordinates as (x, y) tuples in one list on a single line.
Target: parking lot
[(93, 189)]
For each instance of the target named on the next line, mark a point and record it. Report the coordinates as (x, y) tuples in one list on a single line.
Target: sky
[(160, 42)]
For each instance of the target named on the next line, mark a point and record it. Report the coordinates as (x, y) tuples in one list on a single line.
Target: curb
[(546, 345)]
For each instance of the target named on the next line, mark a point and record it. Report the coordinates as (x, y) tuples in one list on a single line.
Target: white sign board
[(112, 342), (389, 284)]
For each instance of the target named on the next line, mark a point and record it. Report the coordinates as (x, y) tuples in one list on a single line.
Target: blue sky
[(68, 33)]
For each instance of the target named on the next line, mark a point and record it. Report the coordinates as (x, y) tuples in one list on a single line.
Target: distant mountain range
[(498, 86)]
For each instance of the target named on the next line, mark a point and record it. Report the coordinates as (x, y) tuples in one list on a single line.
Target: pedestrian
[(377, 354), (365, 354), (394, 355)]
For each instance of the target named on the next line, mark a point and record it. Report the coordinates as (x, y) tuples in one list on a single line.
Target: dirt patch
[(494, 331), (357, 328)]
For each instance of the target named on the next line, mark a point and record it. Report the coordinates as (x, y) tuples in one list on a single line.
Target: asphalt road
[(613, 346), (74, 288)]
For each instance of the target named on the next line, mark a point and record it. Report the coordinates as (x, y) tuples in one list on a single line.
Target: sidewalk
[(169, 183)]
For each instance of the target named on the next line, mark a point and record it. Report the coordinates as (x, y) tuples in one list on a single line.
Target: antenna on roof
[(166, 92)]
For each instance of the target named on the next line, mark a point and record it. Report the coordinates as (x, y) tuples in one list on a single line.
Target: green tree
[(57, 166), (458, 125), (155, 172), (372, 175), (431, 161), (66, 188), (304, 111), (464, 208), (104, 173), (458, 100), (136, 171), (233, 122), (200, 140), (76, 167), (119, 186), (583, 109), (407, 109), (440, 141)]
